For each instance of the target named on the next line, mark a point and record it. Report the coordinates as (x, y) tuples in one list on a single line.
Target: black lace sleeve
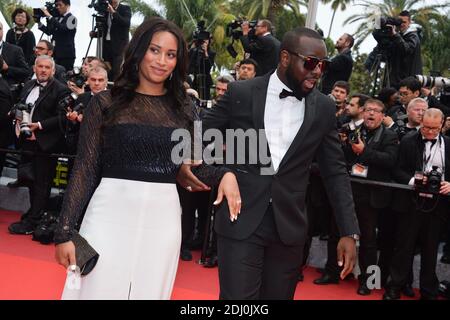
[(86, 171), (208, 174)]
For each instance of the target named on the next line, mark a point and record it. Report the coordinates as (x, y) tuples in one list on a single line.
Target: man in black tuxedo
[(6, 104), (421, 152), (341, 65), (372, 156), (116, 35), (44, 94), (13, 66), (62, 29), (261, 251), (263, 48)]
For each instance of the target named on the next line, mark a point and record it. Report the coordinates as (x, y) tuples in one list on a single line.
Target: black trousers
[(40, 188), (190, 202), (115, 60), (423, 227), (260, 267), (67, 63), (2, 162)]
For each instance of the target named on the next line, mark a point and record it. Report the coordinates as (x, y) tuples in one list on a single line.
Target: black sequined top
[(136, 145)]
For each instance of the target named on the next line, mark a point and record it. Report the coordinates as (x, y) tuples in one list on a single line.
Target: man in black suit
[(45, 48), (13, 66), (263, 47), (261, 251), (62, 29), (44, 94), (421, 153), (341, 65), (116, 35), (6, 104), (371, 157)]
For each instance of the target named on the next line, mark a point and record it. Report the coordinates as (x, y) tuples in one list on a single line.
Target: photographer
[(62, 29), (201, 60), (45, 48), (42, 134), (372, 156), (264, 48), (422, 159), (353, 115), (222, 86), (13, 67), (341, 65), (414, 117), (20, 35), (97, 81), (247, 69), (115, 35), (339, 94)]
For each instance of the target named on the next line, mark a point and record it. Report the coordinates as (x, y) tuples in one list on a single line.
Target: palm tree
[(335, 5), (420, 13), (7, 7), (143, 8)]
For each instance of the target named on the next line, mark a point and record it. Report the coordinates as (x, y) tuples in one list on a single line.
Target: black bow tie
[(433, 141), (285, 94)]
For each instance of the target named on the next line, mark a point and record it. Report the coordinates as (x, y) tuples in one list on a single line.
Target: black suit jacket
[(243, 107), (120, 29), (48, 113), (264, 50), (18, 70), (6, 104), (63, 33), (409, 161), (340, 69), (380, 155)]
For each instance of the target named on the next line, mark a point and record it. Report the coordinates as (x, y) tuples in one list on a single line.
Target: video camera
[(433, 182), (382, 32), (51, 8), (21, 112), (200, 34), (77, 77), (101, 6), (234, 28)]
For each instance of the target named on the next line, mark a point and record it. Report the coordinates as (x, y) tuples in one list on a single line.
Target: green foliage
[(360, 76), (436, 51)]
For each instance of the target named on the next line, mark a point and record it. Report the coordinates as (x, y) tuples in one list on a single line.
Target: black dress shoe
[(211, 262), (445, 258), (186, 255), (391, 294), (15, 184), (363, 290), (21, 227), (408, 291), (326, 279)]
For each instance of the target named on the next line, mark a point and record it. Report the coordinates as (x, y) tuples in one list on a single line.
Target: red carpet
[(28, 271)]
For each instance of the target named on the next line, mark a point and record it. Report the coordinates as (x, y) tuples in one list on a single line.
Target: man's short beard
[(294, 84)]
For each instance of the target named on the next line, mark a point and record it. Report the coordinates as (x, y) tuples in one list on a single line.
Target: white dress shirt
[(282, 119)]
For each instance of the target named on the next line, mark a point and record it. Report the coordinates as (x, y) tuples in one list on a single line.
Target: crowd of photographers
[(399, 135)]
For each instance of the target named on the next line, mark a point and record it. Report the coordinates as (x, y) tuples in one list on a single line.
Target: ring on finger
[(189, 188)]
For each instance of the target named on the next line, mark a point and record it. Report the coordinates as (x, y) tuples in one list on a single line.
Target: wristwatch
[(354, 236)]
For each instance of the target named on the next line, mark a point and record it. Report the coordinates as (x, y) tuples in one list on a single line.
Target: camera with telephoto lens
[(21, 112), (77, 77), (101, 6), (51, 8), (430, 82), (433, 183)]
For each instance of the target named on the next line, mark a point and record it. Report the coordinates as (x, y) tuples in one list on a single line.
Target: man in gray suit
[(260, 252)]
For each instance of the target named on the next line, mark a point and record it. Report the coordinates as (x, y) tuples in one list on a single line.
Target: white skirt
[(136, 228)]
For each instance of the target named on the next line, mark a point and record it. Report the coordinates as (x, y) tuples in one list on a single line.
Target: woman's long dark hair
[(126, 83)]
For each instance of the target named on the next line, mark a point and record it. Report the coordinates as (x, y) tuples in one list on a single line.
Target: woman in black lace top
[(125, 175)]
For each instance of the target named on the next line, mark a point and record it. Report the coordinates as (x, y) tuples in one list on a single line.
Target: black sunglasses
[(312, 62)]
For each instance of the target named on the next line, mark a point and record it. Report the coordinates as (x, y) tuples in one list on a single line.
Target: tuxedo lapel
[(259, 101), (310, 111), (45, 92)]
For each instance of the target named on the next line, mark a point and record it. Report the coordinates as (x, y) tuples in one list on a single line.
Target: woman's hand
[(229, 188), (65, 254)]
